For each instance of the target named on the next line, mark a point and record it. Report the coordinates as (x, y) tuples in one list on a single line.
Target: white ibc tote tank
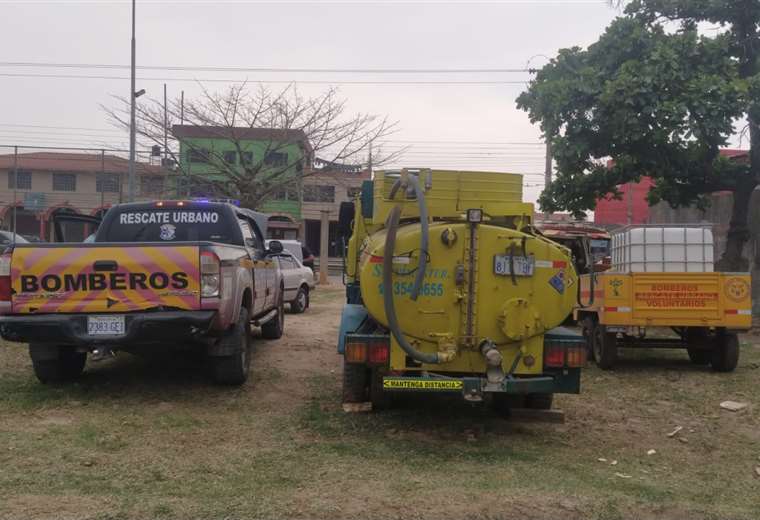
[(663, 249)]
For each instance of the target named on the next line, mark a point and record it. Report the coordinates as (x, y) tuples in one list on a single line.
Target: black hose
[(390, 309), (424, 232)]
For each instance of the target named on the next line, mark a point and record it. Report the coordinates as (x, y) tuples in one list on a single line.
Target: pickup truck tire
[(539, 401), (233, 369), (274, 328), (301, 303), (66, 367), (354, 382), (605, 347), (725, 355)]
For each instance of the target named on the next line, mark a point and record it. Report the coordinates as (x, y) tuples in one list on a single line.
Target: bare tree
[(321, 125)]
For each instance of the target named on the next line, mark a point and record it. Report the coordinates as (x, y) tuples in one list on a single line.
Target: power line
[(188, 68), (268, 81), (62, 127)]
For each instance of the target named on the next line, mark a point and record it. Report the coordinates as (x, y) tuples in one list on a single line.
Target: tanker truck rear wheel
[(354, 383), (539, 401), (381, 400), (502, 404)]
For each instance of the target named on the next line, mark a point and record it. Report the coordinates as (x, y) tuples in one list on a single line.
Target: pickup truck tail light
[(211, 277), (5, 278)]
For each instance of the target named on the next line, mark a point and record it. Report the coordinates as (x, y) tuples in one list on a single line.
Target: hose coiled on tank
[(390, 243), (424, 232)]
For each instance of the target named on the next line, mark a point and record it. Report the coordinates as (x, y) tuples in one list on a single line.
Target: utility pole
[(132, 132), (629, 203), (548, 167), (182, 108), (166, 130), (15, 187)]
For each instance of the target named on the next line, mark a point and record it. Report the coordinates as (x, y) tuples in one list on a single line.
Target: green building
[(211, 152)]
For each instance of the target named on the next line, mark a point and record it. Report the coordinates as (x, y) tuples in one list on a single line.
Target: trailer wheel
[(354, 383), (697, 345), (66, 366), (233, 369), (725, 355), (605, 347), (540, 401), (699, 357), (587, 329)]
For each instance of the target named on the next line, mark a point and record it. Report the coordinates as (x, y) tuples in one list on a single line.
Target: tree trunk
[(733, 258)]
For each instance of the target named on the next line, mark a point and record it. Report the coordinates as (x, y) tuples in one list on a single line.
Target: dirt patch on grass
[(153, 438)]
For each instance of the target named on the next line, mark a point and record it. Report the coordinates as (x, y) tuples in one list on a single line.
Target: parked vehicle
[(294, 247), (160, 274), (450, 290), (8, 237), (662, 277), (298, 281)]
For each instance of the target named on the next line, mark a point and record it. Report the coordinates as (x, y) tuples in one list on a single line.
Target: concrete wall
[(719, 214)]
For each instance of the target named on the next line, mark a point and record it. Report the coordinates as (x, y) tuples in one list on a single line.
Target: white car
[(298, 281)]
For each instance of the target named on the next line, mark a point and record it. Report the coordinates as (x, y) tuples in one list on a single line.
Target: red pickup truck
[(160, 274)]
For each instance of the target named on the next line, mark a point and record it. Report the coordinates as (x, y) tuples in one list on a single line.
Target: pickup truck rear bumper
[(141, 328)]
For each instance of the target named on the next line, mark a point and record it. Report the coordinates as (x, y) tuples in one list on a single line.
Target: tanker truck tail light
[(576, 356), (356, 352), (554, 355), (559, 355), (369, 351)]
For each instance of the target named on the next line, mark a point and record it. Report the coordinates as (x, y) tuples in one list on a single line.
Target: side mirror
[(275, 247)]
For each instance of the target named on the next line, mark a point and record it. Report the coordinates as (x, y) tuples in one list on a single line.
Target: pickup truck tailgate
[(104, 279)]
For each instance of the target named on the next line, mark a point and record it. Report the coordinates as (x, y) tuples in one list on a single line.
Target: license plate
[(523, 265), (105, 325)]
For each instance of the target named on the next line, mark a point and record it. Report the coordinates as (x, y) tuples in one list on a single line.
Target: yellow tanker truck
[(450, 289)]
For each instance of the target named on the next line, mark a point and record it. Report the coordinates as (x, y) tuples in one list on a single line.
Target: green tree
[(659, 94)]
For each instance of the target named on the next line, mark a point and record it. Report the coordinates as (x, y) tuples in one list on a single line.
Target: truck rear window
[(171, 225)]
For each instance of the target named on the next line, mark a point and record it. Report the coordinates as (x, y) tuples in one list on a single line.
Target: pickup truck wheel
[(301, 302), (725, 355), (354, 382), (67, 366), (605, 347), (540, 401), (233, 369), (274, 328)]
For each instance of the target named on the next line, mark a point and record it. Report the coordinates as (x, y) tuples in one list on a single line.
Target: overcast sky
[(470, 121)]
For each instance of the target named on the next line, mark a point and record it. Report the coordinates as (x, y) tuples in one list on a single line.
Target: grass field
[(150, 438)]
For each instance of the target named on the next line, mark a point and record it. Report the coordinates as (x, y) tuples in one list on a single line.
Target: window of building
[(64, 182), (230, 157), (286, 193), (353, 192), (198, 155), (276, 159), (246, 158), (151, 185), (313, 193), (107, 183), (22, 180)]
